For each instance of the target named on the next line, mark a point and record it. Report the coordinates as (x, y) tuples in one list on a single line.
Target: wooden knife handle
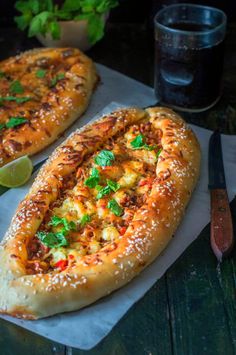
[(222, 238)]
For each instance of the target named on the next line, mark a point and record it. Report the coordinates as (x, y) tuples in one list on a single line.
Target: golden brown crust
[(153, 225), (53, 106)]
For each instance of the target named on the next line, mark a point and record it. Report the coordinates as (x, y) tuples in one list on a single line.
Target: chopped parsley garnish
[(139, 143), (114, 186), (93, 179), (67, 226), (41, 73), (159, 152), (104, 158), (55, 80), (115, 207), (15, 121), (102, 191), (16, 87), (58, 239), (85, 219), (111, 186), (18, 100), (52, 240)]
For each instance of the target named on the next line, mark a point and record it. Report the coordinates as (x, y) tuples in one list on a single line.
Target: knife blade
[(222, 239)]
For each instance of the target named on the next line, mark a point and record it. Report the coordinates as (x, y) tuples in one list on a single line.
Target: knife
[(222, 239)]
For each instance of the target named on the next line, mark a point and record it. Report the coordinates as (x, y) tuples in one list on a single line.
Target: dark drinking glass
[(189, 56)]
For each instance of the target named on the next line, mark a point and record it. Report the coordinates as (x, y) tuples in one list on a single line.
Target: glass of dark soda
[(189, 42)]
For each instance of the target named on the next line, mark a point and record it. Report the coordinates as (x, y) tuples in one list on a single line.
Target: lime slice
[(16, 173)]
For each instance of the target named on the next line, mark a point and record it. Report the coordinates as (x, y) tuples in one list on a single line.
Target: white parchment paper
[(83, 329)]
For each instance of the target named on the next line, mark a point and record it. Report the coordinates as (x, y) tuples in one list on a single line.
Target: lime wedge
[(16, 173)]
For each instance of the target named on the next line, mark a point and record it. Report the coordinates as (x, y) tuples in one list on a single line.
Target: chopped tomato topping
[(71, 256), (61, 264), (147, 181), (122, 230)]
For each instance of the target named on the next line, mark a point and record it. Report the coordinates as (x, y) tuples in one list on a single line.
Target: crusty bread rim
[(41, 295), (66, 104)]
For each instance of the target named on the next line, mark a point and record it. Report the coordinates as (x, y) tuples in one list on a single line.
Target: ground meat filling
[(99, 202)]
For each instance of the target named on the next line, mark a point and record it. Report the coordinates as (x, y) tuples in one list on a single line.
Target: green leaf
[(111, 186), (16, 87), (15, 121), (41, 73), (71, 5), (68, 226), (103, 191), (55, 30), (18, 100), (52, 240), (2, 125), (159, 152), (85, 219), (88, 6), (64, 15), (114, 186), (104, 158), (23, 21), (58, 77), (22, 6), (95, 28), (94, 178), (115, 207), (39, 22), (2, 74), (106, 5), (139, 143), (49, 5)]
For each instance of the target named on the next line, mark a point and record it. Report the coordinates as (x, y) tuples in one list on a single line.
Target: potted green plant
[(75, 23)]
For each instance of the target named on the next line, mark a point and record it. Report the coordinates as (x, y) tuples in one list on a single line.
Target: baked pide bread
[(42, 92), (102, 208)]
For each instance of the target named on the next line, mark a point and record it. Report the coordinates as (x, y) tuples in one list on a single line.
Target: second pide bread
[(42, 92)]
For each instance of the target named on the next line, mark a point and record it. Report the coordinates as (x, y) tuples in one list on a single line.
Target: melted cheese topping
[(132, 171)]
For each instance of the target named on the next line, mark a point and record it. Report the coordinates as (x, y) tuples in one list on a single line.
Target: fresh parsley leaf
[(2, 125), (58, 77), (114, 186), (139, 143), (68, 226), (106, 5), (94, 178), (111, 186), (18, 100), (115, 207), (15, 121), (16, 87), (104, 158), (159, 152), (95, 27), (55, 29), (2, 74), (103, 191), (41, 73), (39, 23), (85, 219), (52, 240), (71, 5)]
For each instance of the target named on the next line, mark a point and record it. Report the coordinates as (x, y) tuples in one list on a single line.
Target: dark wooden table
[(191, 310)]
